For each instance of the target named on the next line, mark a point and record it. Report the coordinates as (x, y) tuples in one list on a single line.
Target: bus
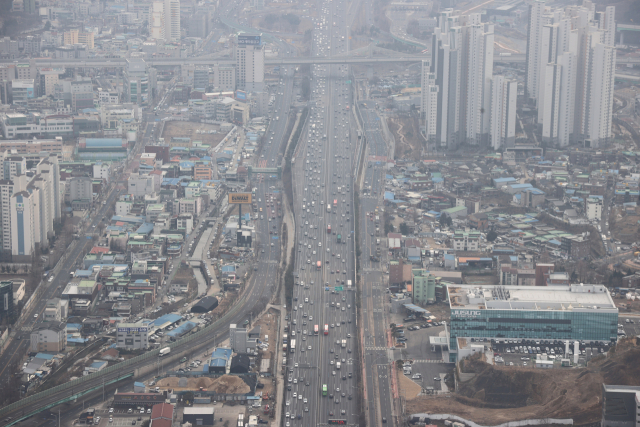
[(293, 346), (324, 390), (326, 329), (348, 284), (319, 265), (316, 329)]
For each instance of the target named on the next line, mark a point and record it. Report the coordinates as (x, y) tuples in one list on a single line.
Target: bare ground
[(224, 384), (407, 136), (188, 130), (501, 394)]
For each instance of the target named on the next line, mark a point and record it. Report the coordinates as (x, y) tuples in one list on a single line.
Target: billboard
[(242, 95), (133, 330), (240, 198), (244, 39)]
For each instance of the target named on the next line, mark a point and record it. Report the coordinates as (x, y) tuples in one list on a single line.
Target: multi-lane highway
[(321, 370)]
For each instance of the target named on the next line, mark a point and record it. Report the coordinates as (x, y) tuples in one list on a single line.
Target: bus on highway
[(326, 329), (319, 265), (324, 389), (348, 284), (316, 329), (293, 346)]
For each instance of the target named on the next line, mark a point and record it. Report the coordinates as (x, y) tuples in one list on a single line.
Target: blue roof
[(504, 180), (71, 339), (98, 364), (449, 257), (228, 268), (517, 186), (554, 241), (145, 228), (389, 195), (218, 361), (182, 329), (224, 353), (536, 191), (44, 356), (171, 318), (437, 179), (187, 164), (104, 142), (170, 181), (74, 326), (138, 384)]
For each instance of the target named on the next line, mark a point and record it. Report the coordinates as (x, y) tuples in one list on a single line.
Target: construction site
[(499, 394)]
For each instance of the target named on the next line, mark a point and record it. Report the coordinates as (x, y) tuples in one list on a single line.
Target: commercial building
[(202, 416), (6, 302), (172, 20), (49, 336), (133, 336), (424, 287), (576, 247), (249, 54), (574, 313), (620, 406)]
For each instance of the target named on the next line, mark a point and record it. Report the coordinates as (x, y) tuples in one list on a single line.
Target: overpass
[(268, 171)]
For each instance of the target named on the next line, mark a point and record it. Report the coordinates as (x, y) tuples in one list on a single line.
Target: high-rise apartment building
[(570, 72), (503, 112), (164, 20), (28, 206), (156, 21), (457, 94), (249, 54)]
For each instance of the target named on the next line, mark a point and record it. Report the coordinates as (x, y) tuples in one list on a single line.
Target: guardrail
[(32, 400)]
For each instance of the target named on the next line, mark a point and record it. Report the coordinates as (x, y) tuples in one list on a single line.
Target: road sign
[(348, 82), (338, 288)]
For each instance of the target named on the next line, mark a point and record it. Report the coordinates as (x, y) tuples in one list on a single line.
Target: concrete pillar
[(576, 352)]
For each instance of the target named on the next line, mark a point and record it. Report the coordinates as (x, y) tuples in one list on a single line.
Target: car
[(437, 379), (35, 316)]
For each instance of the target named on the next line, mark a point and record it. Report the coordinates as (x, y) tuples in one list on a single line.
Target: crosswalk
[(428, 361), (375, 348)]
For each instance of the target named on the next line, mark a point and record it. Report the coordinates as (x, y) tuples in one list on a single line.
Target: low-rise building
[(466, 241), (133, 336), (49, 337)]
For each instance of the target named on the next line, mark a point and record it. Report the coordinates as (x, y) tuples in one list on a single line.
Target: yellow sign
[(240, 198)]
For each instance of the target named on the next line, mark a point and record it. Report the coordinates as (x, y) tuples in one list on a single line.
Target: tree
[(443, 219), (533, 182), (491, 236), (404, 229)]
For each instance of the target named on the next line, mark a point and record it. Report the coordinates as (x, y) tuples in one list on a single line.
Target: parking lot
[(121, 421), (427, 361), (630, 329)]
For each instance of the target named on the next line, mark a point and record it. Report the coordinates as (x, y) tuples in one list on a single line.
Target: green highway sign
[(338, 288), (348, 82)]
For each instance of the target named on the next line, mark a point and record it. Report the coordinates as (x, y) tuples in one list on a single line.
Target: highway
[(323, 211), (377, 357)]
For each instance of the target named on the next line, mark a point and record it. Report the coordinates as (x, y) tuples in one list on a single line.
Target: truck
[(319, 265), (328, 208), (293, 346), (348, 284), (344, 343), (339, 238), (377, 219), (165, 351), (338, 366), (329, 229)]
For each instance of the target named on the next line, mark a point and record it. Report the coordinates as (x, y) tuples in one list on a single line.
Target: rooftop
[(558, 298)]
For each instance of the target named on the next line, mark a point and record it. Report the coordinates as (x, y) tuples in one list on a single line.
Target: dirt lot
[(223, 384), (268, 324), (499, 394), (407, 135), (410, 389), (188, 129), (624, 227)]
